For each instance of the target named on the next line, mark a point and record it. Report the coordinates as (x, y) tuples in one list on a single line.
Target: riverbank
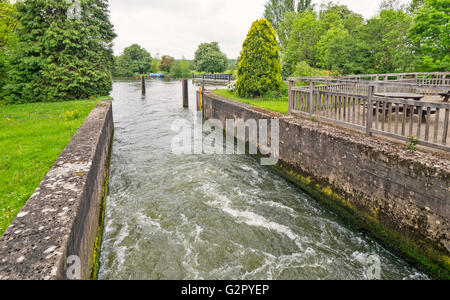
[(31, 138), (398, 196), (56, 235)]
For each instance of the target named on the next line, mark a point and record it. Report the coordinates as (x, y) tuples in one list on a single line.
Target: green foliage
[(412, 142), (304, 70), (302, 42), (134, 60), (155, 66), (259, 70), (167, 62), (339, 40), (181, 70), (209, 58), (431, 34), (59, 58), (276, 10), (8, 24)]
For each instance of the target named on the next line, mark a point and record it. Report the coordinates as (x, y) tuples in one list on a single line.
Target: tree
[(181, 69), (134, 60), (61, 56), (8, 24), (209, 58), (167, 62), (302, 43), (276, 10), (430, 33), (259, 70), (155, 66)]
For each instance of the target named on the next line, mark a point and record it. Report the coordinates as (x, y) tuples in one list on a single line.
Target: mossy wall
[(399, 197)]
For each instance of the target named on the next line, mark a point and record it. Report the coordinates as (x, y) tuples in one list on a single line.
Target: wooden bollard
[(185, 93), (143, 85)]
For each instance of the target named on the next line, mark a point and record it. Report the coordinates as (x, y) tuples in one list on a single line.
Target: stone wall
[(400, 196), (61, 219)]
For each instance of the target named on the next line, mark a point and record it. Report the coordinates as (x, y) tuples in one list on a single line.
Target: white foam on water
[(253, 219)]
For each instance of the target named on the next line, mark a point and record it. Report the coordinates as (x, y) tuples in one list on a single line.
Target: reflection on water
[(215, 216)]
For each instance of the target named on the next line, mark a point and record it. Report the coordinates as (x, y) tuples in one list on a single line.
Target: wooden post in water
[(143, 85), (185, 93)]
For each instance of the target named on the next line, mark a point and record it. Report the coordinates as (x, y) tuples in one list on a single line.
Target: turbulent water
[(215, 216)]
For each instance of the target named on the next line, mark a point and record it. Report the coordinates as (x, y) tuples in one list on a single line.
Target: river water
[(216, 216)]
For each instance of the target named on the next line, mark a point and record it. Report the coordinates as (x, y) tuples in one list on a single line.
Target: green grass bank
[(278, 104), (31, 138)]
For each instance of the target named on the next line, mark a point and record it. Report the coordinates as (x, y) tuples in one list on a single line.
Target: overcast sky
[(177, 27)]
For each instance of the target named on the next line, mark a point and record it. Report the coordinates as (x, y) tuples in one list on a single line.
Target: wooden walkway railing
[(436, 78), (352, 106), (224, 77), (360, 87)]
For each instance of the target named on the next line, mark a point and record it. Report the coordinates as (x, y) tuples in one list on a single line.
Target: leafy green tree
[(302, 43), (60, 56), (155, 66), (259, 70), (8, 24), (134, 60), (209, 58), (430, 32), (167, 62), (386, 37), (181, 69), (276, 10)]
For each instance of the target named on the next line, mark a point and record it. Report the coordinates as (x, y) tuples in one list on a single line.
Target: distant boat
[(156, 75)]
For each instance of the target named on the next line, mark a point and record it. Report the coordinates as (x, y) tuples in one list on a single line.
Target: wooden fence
[(436, 78), (224, 77), (395, 118), (360, 87)]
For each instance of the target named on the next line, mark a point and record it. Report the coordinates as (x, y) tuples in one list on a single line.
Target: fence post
[(311, 97), (370, 110), (290, 97)]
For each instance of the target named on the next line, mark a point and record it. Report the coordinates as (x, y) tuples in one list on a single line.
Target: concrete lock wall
[(401, 197), (56, 230)]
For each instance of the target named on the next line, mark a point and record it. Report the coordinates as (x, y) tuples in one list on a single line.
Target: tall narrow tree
[(259, 69)]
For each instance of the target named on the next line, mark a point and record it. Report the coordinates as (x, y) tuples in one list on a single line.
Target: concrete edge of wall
[(54, 235), (397, 195)]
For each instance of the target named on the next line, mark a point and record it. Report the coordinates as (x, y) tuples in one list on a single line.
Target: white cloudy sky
[(177, 27)]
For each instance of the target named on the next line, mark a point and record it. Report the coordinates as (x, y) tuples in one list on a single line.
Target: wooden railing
[(400, 119), (436, 78), (360, 87), (224, 77)]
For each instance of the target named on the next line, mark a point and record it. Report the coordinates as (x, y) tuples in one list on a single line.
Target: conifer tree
[(64, 51), (259, 69)]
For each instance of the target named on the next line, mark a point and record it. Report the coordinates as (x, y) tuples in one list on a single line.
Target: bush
[(259, 69), (304, 70)]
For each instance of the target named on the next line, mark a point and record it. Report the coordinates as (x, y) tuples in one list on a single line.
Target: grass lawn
[(31, 138), (274, 104)]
